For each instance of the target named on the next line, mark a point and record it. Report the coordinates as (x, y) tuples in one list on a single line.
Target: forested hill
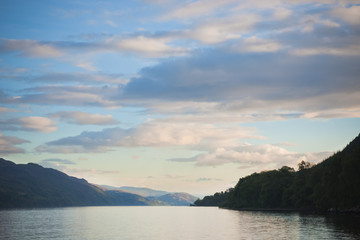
[(30, 185), (332, 185)]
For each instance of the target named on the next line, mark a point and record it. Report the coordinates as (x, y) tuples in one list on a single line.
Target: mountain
[(145, 192), (31, 185), (159, 197), (176, 199), (331, 185)]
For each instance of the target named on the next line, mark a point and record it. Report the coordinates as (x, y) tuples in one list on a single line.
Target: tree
[(304, 165)]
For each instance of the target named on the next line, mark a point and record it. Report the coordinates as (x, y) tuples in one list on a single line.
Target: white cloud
[(4, 110), (146, 46), (30, 48), (41, 124), (222, 29), (64, 165), (282, 13), (7, 145), (259, 156), (86, 65), (56, 161), (77, 77), (188, 134), (310, 22), (255, 44), (349, 14), (71, 149), (352, 50), (81, 95), (196, 9), (206, 179), (83, 118), (153, 134), (334, 113)]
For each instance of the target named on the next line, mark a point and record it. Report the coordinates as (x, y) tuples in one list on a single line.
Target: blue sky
[(177, 95)]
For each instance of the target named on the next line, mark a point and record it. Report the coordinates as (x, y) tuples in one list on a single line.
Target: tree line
[(332, 185)]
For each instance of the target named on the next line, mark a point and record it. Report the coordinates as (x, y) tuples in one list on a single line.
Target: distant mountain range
[(175, 199), (31, 185), (159, 197), (145, 192)]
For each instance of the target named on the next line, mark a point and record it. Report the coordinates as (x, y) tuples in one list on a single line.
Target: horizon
[(184, 95)]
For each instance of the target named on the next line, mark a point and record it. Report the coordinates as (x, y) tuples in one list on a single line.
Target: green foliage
[(331, 184), (215, 200)]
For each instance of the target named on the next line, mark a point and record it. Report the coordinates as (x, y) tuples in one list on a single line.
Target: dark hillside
[(30, 185), (332, 185)]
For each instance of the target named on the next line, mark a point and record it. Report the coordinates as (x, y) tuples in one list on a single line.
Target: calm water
[(168, 223)]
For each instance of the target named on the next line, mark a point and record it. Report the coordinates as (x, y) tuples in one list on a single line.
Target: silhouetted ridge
[(31, 185), (332, 185), (353, 146)]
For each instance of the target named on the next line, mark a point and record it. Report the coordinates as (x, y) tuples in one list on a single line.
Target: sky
[(182, 96)]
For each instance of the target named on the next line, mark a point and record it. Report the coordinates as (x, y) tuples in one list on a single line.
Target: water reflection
[(348, 224), (171, 223)]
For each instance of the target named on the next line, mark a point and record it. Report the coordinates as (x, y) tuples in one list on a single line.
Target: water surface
[(157, 223)]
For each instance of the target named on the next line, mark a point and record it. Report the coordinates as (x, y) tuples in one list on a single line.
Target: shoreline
[(331, 211)]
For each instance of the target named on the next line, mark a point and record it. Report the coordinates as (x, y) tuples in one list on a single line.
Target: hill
[(332, 185), (145, 192), (176, 199), (157, 196), (31, 185)]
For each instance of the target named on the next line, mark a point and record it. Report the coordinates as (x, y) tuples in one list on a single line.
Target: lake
[(157, 223)]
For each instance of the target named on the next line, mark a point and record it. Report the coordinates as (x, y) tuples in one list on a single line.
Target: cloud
[(7, 145), (222, 29), (151, 134), (30, 48), (145, 46), (257, 45), (349, 14), (66, 149), (260, 156), (86, 65), (73, 52), (32, 123), (212, 22), (86, 142), (353, 50), (173, 176), (83, 118), (204, 179), (89, 171), (41, 124), (81, 95), (276, 82), (196, 9), (56, 161), (64, 78), (4, 110), (5, 98), (64, 166), (282, 13)]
